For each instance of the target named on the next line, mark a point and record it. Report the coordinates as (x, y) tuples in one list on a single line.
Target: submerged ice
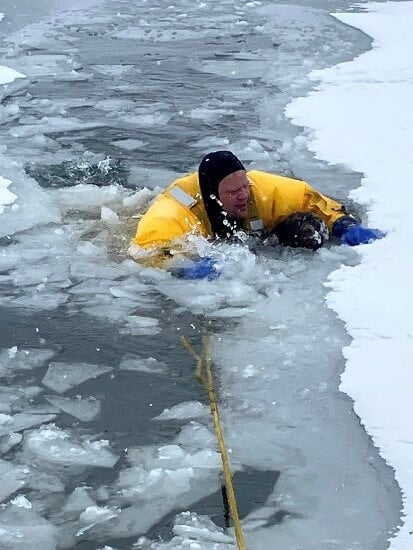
[(84, 148)]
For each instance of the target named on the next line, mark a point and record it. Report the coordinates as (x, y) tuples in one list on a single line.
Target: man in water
[(222, 199)]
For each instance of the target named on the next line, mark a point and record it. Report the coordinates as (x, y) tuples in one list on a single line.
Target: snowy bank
[(360, 114)]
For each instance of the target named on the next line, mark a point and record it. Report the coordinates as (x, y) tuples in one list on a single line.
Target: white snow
[(361, 115)]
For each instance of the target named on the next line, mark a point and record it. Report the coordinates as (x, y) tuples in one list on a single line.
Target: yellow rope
[(203, 374)]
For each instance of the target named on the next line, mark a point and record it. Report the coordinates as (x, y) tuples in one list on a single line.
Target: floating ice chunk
[(42, 143), (85, 197), (85, 410), (51, 125), (168, 470), (155, 119), (188, 409), (8, 75), (44, 483), (16, 398), (24, 529), (157, 35), (139, 325), (200, 527), (113, 70), (22, 502), (115, 104), (250, 371), (149, 364), (4, 418), (44, 64), (128, 289), (50, 447), (255, 151), (60, 377), (195, 436), (9, 441), (109, 216), (211, 142), (23, 421), (40, 300), (94, 515), (78, 501), (137, 483), (13, 359), (174, 454), (6, 196), (12, 478), (210, 115), (191, 532), (129, 144)]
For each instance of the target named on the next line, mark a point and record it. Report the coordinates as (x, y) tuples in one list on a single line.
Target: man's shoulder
[(261, 178), (188, 182)]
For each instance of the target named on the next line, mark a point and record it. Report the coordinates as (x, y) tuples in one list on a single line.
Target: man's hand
[(357, 234), (350, 232), (202, 268)]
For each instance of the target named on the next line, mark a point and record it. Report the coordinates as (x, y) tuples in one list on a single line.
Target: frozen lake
[(105, 437)]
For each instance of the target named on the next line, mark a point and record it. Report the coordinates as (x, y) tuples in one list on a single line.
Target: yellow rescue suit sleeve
[(169, 220), (278, 197), (165, 221)]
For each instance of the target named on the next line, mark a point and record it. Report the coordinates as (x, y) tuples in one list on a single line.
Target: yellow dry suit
[(179, 211)]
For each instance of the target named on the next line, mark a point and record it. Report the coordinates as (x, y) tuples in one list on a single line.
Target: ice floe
[(84, 409), (61, 377)]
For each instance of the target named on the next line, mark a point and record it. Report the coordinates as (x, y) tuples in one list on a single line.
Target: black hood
[(213, 169)]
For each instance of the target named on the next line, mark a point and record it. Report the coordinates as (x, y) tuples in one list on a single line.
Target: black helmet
[(213, 168)]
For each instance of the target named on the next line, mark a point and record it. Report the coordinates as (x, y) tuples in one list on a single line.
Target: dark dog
[(301, 230)]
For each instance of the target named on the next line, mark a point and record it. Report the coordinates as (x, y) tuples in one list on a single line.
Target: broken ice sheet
[(78, 501), (9, 441), (12, 479), (148, 364), (84, 410), (16, 398), (13, 359), (49, 447), (94, 515), (187, 409), (61, 377), (22, 421), (24, 528), (191, 531)]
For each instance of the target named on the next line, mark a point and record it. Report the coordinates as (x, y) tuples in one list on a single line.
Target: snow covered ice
[(105, 437)]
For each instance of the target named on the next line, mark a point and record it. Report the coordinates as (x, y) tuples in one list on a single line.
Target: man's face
[(234, 193)]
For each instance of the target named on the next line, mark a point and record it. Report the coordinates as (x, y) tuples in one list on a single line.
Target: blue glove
[(357, 234), (350, 232), (203, 268)]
